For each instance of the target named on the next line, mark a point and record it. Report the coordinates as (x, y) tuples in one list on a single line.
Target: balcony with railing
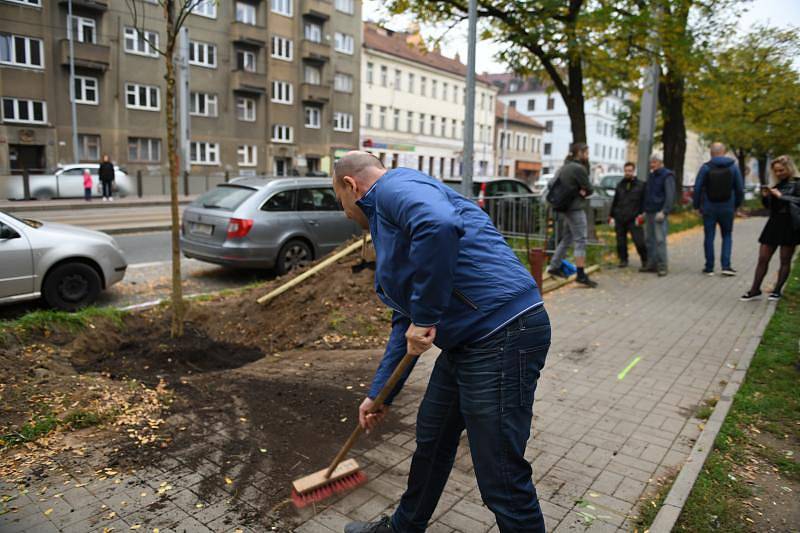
[(251, 82), (319, 94), (248, 34)]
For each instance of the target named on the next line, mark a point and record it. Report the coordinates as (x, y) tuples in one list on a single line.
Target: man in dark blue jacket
[(659, 196), (451, 279), (718, 192)]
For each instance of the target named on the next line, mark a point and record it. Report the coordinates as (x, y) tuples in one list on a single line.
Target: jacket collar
[(367, 202)]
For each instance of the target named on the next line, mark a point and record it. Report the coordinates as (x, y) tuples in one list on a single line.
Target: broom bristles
[(325, 491)]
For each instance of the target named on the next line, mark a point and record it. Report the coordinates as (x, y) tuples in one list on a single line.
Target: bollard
[(536, 258), (26, 184), (227, 176), (139, 182), (186, 183)]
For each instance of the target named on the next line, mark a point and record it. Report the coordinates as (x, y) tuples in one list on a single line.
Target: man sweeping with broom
[(452, 280)]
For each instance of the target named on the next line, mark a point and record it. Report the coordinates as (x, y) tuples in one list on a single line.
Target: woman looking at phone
[(781, 231)]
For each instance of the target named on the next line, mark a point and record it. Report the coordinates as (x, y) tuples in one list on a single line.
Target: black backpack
[(560, 196), (719, 184)]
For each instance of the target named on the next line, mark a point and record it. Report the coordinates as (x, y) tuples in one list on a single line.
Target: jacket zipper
[(461, 296), (394, 304)]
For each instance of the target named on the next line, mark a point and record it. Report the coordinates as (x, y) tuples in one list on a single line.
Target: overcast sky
[(775, 12)]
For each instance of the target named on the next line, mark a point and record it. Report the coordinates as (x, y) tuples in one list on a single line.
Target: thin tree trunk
[(176, 328), (575, 102), (762, 169), (742, 157), (673, 132)]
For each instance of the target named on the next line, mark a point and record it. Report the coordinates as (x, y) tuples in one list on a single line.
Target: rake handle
[(405, 362)]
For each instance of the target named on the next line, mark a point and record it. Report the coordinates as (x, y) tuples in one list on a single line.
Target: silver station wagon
[(258, 222)]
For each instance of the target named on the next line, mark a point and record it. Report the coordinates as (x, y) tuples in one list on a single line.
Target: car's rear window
[(227, 197)]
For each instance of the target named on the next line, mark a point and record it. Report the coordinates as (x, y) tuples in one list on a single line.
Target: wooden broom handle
[(378, 403)]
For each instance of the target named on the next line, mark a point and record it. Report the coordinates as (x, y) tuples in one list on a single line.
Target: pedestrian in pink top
[(87, 184)]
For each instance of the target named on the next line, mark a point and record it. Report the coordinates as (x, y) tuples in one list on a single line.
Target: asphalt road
[(149, 275)]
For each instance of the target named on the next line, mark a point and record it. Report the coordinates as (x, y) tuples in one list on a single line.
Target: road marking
[(627, 369)]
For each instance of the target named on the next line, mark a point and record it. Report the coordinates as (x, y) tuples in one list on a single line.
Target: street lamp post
[(469, 119), (71, 38)]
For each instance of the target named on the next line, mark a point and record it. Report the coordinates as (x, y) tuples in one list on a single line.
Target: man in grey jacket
[(574, 175)]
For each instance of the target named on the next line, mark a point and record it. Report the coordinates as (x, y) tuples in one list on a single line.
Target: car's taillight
[(482, 195), (239, 227)]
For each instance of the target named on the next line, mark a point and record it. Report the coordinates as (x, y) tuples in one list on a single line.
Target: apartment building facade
[(273, 84), (412, 109), (607, 150), (518, 144)]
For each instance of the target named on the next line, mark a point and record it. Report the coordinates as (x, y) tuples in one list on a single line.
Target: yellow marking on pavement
[(628, 368)]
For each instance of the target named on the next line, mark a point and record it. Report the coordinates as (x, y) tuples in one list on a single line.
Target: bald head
[(718, 149), (357, 164)]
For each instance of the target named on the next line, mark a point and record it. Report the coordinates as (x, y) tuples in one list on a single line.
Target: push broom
[(343, 475)]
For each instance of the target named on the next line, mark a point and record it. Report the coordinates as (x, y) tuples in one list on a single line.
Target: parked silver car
[(66, 265), (259, 222), (65, 182)]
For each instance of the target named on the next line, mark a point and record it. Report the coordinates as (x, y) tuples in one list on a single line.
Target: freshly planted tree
[(173, 13)]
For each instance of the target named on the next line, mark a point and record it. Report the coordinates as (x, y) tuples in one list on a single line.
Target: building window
[(368, 116), (453, 128), (245, 109), (345, 6), (480, 133), (282, 7), (547, 148), (370, 69), (512, 104), (382, 118), (313, 32), (143, 43), (143, 149), (313, 117), (203, 104), (247, 155), (409, 121), (423, 86), (342, 121), (524, 142), (88, 147), (20, 51), (551, 103), (533, 144), (384, 76), (144, 97), (548, 126), (483, 101), (599, 127), (28, 111), (398, 78), (282, 133), (245, 60), (455, 94), (343, 83), (246, 13), (203, 153), (434, 89), (343, 43), (282, 48), (445, 88), (396, 120), (422, 123), (86, 90), (206, 8), (432, 125), (202, 54), (531, 104), (411, 82), (32, 3), (82, 29), (282, 92), (312, 74)]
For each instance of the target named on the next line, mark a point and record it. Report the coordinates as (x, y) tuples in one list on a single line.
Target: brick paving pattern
[(598, 442)]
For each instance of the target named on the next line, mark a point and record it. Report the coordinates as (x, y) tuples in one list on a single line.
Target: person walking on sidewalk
[(87, 185), (783, 226), (574, 177), (659, 196), (718, 192), (626, 210), (451, 279), (106, 175)]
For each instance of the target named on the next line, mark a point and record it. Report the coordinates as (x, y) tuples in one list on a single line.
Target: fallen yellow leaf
[(47, 512), (228, 481)]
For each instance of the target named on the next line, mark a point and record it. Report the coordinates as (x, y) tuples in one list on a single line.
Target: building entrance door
[(26, 156)]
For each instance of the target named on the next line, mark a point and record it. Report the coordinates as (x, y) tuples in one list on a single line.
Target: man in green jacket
[(574, 175)]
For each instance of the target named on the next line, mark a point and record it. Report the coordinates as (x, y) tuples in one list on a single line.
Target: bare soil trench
[(259, 395)]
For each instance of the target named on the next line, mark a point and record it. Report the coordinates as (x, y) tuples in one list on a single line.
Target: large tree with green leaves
[(748, 96)]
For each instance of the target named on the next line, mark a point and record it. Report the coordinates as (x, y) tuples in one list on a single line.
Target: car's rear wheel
[(71, 286), (293, 254)]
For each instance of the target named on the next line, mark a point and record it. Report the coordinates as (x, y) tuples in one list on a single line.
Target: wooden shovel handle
[(385, 391)]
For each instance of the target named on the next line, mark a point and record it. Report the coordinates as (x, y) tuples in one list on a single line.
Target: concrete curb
[(673, 504), (134, 229), (40, 205)]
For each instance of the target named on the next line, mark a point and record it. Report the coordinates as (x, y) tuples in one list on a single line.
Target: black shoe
[(708, 272), (622, 264), (749, 295), (728, 272), (774, 296), (556, 273), (647, 269), (384, 525), (586, 281)]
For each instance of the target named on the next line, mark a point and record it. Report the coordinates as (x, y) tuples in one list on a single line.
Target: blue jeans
[(487, 388), (713, 216)]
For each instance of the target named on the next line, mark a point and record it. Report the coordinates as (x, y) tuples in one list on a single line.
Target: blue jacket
[(659, 192), (440, 261), (738, 185)]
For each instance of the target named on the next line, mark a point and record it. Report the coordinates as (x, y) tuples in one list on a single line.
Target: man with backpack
[(567, 196), (718, 192)]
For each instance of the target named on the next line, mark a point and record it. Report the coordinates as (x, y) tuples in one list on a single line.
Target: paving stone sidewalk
[(598, 440)]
